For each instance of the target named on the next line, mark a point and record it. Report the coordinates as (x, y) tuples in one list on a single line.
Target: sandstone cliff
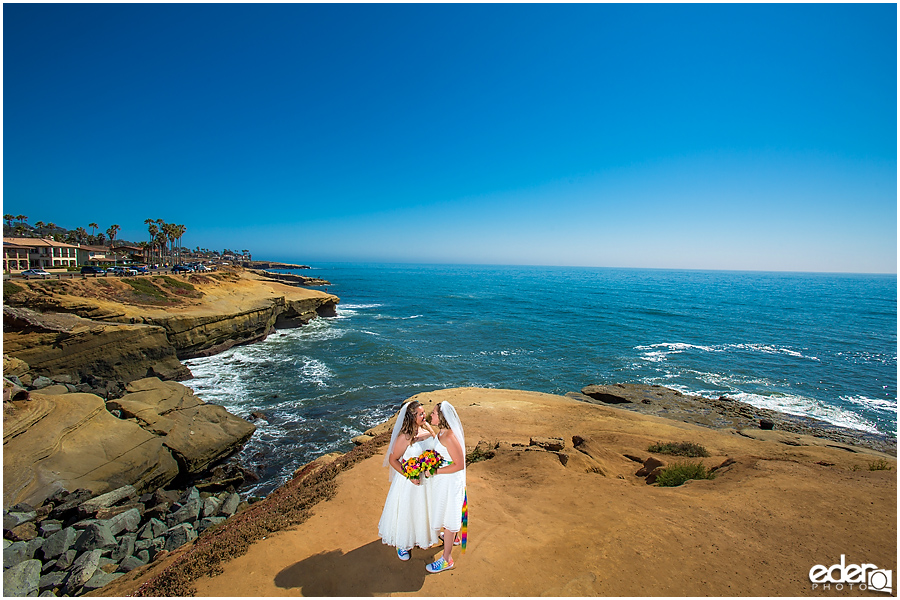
[(144, 325), (72, 440), (55, 344)]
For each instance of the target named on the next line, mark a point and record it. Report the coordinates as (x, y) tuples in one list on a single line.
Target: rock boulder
[(196, 432), (71, 441)]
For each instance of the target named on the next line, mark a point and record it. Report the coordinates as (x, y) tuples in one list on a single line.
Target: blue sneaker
[(402, 554), (439, 565)]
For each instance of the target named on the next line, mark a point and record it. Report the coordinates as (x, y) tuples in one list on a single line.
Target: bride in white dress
[(448, 484), (405, 520)]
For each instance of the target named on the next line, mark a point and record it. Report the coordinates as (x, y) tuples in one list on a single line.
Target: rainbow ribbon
[(463, 532)]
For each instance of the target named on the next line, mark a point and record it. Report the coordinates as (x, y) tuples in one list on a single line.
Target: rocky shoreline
[(109, 462), (726, 413)]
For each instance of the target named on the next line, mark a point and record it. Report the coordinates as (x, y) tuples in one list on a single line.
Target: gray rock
[(99, 579), (106, 500), (230, 505), (126, 521), (210, 507), (34, 545), (105, 561), (125, 548), (21, 507), (209, 522), (41, 382), (48, 594), (66, 559), (152, 529), (191, 493), (72, 389), (62, 378), (142, 544), (22, 579), (189, 512), (179, 535), (83, 569), (97, 535), (59, 542), (6, 543), (84, 524), (144, 555), (157, 544), (13, 519), (52, 580), (49, 527), (15, 553), (130, 563)]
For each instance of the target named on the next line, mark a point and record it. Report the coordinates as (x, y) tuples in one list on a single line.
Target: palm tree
[(161, 244), (153, 230), (93, 227), (111, 232), (20, 230), (9, 220), (180, 231), (22, 219), (40, 227), (80, 235), (51, 227)]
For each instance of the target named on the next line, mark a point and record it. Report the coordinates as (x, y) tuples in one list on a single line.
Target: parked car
[(182, 269), (122, 271), (142, 269), (35, 273), (202, 269), (89, 270)]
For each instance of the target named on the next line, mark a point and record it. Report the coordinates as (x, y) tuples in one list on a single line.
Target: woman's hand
[(415, 481)]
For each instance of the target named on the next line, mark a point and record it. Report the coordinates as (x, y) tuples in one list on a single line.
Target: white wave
[(873, 403), (315, 371), (657, 355), (769, 349), (358, 306), (807, 407), (678, 347)]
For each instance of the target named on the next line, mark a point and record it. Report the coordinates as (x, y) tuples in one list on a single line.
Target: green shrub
[(678, 449), (9, 288), (879, 464), (679, 472), (145, 288), (174, 283)]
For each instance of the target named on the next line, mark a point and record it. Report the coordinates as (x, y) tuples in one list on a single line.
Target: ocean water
[(819, 345)]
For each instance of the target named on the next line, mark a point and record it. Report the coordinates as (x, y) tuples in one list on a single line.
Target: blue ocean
[(819, 345)]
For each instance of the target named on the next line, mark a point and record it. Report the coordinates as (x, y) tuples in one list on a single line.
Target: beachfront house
[(42, 253), (15, 257)]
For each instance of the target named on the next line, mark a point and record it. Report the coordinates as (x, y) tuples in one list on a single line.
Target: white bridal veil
[(387, 456), (456, 425)]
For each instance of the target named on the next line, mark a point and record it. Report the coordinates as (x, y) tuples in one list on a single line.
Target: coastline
[(597, 528)]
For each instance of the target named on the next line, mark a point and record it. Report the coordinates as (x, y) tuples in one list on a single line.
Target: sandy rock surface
[(197, 433), (71, 441), (579, 521)]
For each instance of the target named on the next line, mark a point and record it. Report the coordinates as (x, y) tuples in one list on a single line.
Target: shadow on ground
[(366, 571)]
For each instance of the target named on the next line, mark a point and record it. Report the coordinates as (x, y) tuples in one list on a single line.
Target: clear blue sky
[(760, 137)]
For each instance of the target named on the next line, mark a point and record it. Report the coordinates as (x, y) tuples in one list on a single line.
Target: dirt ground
[(590, 526)]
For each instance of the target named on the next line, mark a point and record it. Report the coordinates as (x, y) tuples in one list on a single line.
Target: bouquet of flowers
[(417, 466)]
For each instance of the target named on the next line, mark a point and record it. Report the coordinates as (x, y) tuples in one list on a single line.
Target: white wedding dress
[(447, 493), (405, 519)]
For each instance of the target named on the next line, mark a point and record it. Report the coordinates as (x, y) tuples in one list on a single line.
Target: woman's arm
[(456, 454), (400, 447), (430, 430)]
